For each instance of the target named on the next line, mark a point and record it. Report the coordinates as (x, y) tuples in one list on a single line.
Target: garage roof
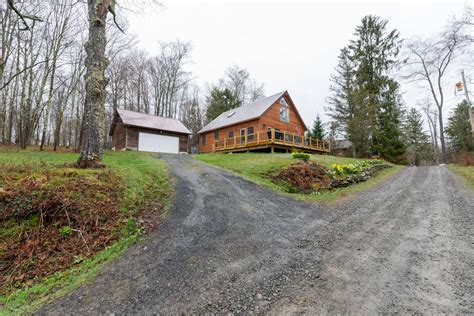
[(244, 113), (152, 121)]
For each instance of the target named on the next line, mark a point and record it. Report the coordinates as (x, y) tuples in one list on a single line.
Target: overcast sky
[(287, 45)]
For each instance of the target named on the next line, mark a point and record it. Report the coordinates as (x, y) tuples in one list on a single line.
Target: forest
[(66, 66)]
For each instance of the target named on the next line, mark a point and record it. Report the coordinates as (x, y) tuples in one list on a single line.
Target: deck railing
[(269, 137)]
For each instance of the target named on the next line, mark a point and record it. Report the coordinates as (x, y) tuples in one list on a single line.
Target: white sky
[(287, 45)]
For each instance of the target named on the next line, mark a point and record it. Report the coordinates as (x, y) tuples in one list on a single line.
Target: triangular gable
[(290, 102)]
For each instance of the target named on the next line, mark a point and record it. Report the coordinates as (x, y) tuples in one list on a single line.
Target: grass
[(255, 167), (144, 178), (466, 173), (141, 174)]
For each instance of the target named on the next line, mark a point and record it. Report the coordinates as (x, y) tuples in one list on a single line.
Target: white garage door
[(158, 143)]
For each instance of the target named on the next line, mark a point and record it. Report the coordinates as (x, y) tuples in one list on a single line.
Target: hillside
[(259, 167), (54, 217)]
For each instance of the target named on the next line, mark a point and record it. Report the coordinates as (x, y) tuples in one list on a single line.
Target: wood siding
[(269, 119), (119, 135)]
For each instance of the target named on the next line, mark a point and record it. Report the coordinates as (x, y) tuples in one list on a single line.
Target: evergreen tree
[(318, 128), (219, 101), (342, 108), (459, 129), (377, 95), (417, 140), (365, 100)]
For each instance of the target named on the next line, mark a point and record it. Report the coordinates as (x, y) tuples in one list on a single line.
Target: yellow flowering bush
[(353, 168)]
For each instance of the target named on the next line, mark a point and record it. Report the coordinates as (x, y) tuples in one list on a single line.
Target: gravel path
[(232, 246)]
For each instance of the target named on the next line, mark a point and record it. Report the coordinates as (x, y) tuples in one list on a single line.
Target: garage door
[(158, 143)]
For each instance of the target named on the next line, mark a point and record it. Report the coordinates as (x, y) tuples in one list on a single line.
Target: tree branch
[(19, 73), (23, 17)]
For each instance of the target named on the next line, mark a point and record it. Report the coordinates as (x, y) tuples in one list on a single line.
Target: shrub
[(353, 168), (302, 156)]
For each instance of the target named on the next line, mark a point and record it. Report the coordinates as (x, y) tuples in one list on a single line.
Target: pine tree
[(417, 140), (374, 52), (365, 100), (219, 101), (318, 129), (459, 129)]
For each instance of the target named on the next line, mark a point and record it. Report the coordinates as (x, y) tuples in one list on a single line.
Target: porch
[(271, 139)]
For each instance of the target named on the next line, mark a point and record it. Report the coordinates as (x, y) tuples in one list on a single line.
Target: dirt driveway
[(232, 246)]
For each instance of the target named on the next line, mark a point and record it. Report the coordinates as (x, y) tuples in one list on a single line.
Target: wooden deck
[(273, 139)]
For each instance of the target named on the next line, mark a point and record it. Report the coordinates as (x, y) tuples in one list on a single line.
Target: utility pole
[(471, 108)]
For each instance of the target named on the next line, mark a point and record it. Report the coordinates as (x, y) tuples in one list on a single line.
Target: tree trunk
[(441, 135), (92, 134)]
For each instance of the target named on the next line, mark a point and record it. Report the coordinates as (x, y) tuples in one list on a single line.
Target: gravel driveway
[(231, 246)]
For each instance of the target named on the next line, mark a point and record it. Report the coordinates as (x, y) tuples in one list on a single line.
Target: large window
[(284, 111), (250, 134), (203, 139)]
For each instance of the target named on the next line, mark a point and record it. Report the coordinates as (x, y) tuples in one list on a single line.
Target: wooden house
[(269, 124), (143, 132)]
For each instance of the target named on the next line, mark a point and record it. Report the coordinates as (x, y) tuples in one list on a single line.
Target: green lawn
[(141, 173), (466, 172), (255, 167), (144, 178)]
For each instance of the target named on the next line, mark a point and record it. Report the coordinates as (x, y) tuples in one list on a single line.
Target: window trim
[(252, 135)]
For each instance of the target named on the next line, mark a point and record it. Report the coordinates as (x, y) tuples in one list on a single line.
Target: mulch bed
[(52, 217), (305, 177)]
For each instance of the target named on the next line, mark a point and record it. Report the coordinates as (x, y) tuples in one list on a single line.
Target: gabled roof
[(152, 122), (243, 113)]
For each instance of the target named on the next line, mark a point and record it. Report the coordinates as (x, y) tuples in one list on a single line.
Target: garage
[(158, 143), (132, 130)]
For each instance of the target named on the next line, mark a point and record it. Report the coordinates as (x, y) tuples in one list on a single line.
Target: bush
[(302, 156), (353, 168)]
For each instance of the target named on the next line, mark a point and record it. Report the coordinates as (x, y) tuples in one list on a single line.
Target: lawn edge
[(340, 194), (465, 181)]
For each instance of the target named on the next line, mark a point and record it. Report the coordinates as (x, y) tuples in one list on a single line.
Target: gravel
[(230, 246)]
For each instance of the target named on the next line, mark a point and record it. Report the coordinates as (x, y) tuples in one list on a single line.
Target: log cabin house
[(269, 124), (143, 132)]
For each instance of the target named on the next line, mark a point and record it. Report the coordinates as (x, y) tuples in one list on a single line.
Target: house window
[(231, 134), (216, 134), (250, 134), (203, 139), (279, 134), (284, 114), (283, 102), (242, 135)]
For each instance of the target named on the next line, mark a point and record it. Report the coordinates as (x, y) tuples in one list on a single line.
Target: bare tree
[(432, 119), (428, 62), (238, 80)]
